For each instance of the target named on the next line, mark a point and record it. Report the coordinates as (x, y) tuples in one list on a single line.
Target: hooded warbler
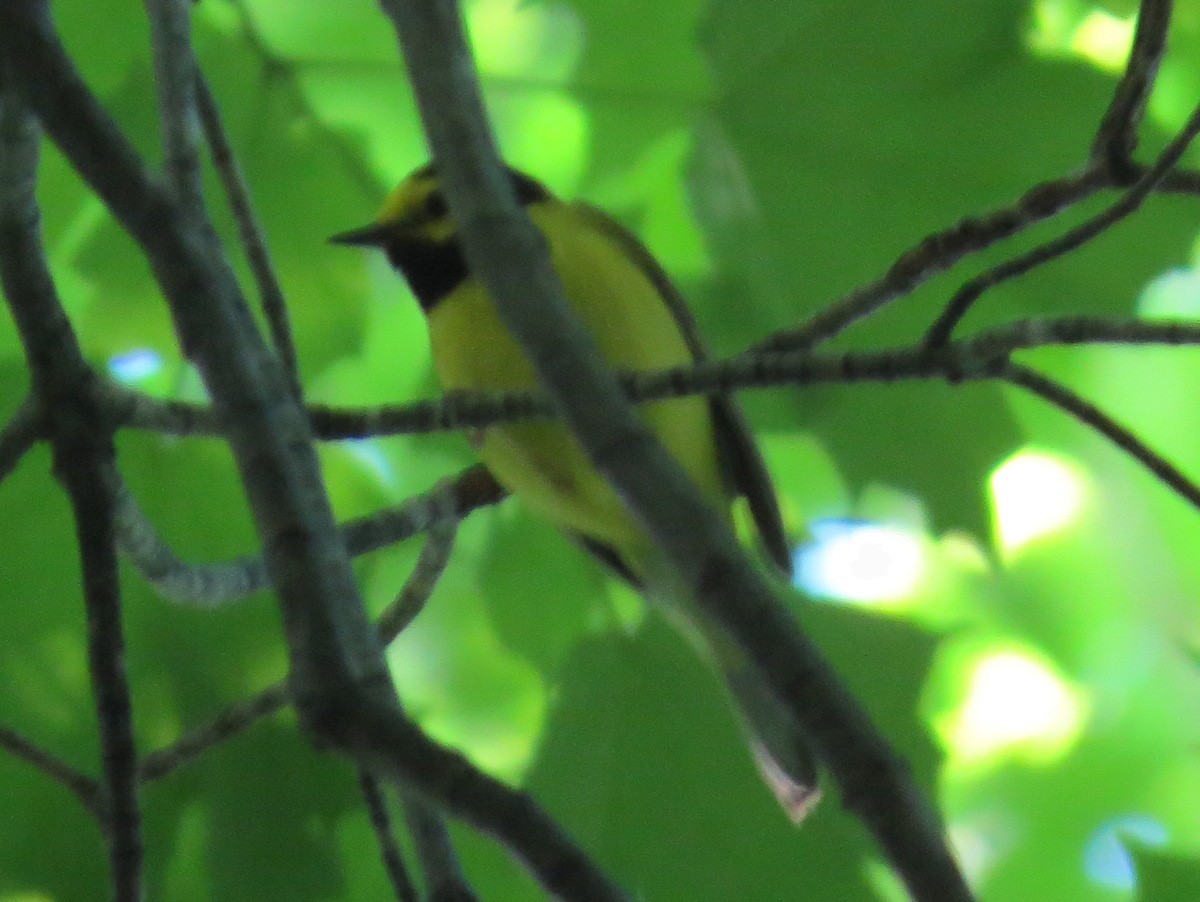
[(640, 322)]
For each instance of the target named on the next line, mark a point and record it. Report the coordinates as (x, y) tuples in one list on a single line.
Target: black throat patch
[(432, 269)]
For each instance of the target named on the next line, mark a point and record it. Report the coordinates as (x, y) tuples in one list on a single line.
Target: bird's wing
[(740, 457)]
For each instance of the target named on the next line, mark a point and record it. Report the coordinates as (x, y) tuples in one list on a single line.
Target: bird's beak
[(373, 235)]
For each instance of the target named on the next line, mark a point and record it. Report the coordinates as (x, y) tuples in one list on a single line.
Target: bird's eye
[(435, 205)]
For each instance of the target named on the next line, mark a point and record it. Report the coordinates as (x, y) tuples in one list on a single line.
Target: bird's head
[(414, 228)]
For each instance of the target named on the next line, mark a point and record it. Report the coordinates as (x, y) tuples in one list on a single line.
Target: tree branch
[(174, 82), (214, 585), (250, 232), (939, 333), (389, 850), (936, 254), (395, 619), (83, 463), (83, 787), (1117, 135), (1095, 418)]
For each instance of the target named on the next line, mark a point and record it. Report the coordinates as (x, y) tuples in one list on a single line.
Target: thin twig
[(1117, 135), (83, 787), (1045, 332), (431, 564), (217, 584), (444, 877), (241, 715), (473, 410), (936, 254), (1095, 418), (250, 232), (389, 850), (939, 333), (233, 720), (175, 77), (132, 409), (202, 586)]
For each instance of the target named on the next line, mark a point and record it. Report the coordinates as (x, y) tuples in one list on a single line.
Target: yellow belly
[(541, 462)]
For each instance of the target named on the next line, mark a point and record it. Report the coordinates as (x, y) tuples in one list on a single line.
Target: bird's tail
[(780, 750)]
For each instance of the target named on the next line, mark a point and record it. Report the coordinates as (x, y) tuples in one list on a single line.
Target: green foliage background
[(774, 155)]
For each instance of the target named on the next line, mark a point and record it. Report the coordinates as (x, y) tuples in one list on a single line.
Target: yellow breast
[(541, 462)]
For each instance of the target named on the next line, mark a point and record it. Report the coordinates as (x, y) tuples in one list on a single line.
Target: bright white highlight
[(872, 563), (1098, 36), (1015, 702), (136, 365), (1033, 495), (1176, 293)]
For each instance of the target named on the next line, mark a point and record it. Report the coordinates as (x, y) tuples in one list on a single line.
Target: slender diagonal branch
[(174, 80), (1095, 418), (233, 720), (939, 333), (250, 232), (83, 452), (83, 787), (1117, 135), (394, 620), (444, 877), (936, 254), (389, 850), (217, 584)]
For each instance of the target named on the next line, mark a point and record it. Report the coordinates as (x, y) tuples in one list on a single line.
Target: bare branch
[(204, 586), (430, 566), (939, 333), (83, 787), (214, 585), (133, 409), (389, 849), (444, 776), (1045, 332), (393, 747), (472, 410), (1116, 137), (233, 720), (936, 254), (1095, 418), (394, 620), (174, 80), (444, 877), (83, 449), (250, 232)]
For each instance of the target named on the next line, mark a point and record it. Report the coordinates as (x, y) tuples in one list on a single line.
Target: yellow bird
[(640, 322)]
